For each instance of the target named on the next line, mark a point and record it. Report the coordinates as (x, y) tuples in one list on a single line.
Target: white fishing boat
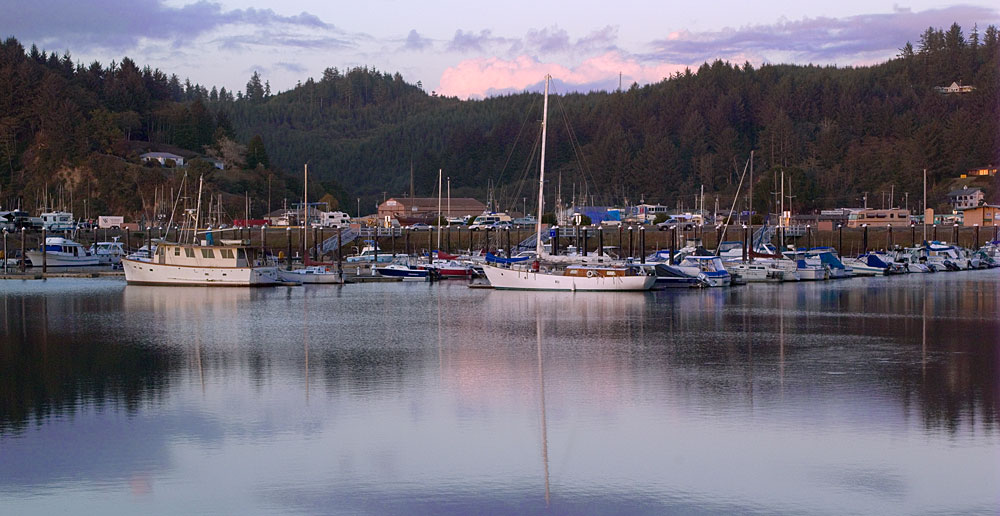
[(108, 253), (521, 275), (314, 274), (201, 263), (62, 252), (190, 264)]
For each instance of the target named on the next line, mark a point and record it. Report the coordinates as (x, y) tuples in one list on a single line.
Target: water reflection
[(871, 396)]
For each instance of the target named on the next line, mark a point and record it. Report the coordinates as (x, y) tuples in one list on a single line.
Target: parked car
[(419, 226), (501, 225), (681, 224)]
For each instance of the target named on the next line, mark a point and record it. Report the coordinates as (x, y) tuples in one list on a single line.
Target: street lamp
[(840, 244)]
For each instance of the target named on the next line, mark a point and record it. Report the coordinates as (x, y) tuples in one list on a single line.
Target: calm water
[(860, 396)]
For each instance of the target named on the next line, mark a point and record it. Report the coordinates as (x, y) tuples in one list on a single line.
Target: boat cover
[(490, 257)]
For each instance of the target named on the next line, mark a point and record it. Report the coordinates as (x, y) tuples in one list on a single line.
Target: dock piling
[(45, 254)]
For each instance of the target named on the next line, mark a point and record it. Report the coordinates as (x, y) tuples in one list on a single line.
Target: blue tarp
[(490, 257)]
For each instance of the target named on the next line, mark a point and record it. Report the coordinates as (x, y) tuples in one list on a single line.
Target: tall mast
[(438, 221), (305, 206), (541, 174), (750, 210), (197, 212)]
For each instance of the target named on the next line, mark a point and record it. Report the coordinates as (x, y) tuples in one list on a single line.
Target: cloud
[(480, 77), (481, 42), (553, 40), (122, 24), (295, 68), (861, 39), (414, 41), (268, 38)]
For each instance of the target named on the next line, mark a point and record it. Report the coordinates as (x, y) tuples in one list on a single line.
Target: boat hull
[(406, 274), (148, 273), (53, 259), (324, 278), (515, 279)]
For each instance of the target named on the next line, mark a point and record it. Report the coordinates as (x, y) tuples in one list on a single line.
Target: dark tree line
[(835, 132)]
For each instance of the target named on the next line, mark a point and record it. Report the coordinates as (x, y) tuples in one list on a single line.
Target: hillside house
[(965, 198), (162, 158)]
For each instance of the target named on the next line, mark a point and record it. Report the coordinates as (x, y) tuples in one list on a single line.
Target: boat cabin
[(189, 255), (65, 247)]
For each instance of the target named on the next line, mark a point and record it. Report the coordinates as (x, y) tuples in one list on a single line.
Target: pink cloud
[(480, 77)]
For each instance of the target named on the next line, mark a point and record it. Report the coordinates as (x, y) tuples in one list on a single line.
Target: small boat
[(108, 253), (755, 272), (368, 255), (63, 252), (313, 274), (450, 269), (827, 257), (403, 271), (668, 276)]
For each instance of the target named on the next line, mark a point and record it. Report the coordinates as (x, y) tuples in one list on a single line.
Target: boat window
[(189, 252), (226, 253), (177, 251), (207, 253)]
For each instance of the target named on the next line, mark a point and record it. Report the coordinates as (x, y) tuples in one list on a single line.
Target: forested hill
[(835, 132)]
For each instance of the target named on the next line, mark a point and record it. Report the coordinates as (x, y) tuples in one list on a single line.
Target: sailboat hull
[(514, 279)]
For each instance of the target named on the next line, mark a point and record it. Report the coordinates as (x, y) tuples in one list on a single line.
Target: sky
[(473, 50)]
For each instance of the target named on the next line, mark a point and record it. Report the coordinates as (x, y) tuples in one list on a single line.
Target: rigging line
[(587, 174), (513, 147), (735, 199), (524, 173)]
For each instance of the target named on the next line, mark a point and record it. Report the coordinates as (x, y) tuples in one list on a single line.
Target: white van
[(489, 220)]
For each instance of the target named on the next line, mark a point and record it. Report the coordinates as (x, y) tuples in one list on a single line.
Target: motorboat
[(370, 254), (450, 269), (874, 264), (827, 257), (313, 274), (193, 264), (62, 252), (109, 253), (756, 271), (706, 268), (668, 276), (404, 272)]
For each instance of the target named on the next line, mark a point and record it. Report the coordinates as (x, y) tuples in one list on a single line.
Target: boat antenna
[(541, 173)]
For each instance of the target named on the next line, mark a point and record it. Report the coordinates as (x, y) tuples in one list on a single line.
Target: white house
[(965, 198), (954, 88), (162, 157)]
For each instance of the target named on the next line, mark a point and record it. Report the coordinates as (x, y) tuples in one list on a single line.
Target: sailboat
[(571, 278)]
